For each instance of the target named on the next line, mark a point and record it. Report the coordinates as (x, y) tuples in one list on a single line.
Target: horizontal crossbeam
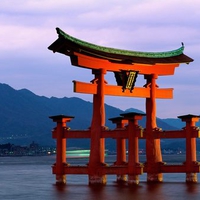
[(123, 134), (97, 63), (104, 170), (125, 170), (113, 90)]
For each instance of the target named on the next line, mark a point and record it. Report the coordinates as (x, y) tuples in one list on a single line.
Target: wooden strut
[(153, 150), (97, 149)]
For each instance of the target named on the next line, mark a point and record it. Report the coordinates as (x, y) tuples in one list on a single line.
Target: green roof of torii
[(68, 45), (176, 52)]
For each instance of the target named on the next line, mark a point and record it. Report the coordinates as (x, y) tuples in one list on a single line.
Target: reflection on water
[(156, 191), (31, 178)]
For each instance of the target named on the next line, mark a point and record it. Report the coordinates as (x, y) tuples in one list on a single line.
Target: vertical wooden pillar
[(153, 150), (134, 167), (191, 157), (121, 147), (58, 132), (97, 151)]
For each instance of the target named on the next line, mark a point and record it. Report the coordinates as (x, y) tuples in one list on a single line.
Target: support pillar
[(153, 149), (121, 148), (58, 134), (134, 167), (97, 151), (191, 157)]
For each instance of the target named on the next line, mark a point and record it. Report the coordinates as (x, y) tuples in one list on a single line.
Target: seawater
[(30, 178)]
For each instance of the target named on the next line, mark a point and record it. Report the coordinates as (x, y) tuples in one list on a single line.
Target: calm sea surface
[(27, 178)]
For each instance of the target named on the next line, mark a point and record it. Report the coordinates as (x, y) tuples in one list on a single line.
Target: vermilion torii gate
[(126, 65)]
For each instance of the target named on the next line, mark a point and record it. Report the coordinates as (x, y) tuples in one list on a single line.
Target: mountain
[(24, 117)]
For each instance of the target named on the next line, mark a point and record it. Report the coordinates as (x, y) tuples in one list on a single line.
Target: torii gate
[(126, 65)]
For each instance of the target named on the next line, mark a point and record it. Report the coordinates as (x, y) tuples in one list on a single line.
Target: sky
[(27, 28)]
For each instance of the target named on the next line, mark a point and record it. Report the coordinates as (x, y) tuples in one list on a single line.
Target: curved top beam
[(69, 45)]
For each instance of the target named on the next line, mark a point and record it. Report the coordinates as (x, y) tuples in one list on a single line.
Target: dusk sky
[(27, 28)]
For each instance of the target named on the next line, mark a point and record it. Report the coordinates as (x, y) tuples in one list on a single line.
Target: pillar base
[(157, 178), (121, 179), (133, 180), (191, 178), (60, 179), (97, 180)]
